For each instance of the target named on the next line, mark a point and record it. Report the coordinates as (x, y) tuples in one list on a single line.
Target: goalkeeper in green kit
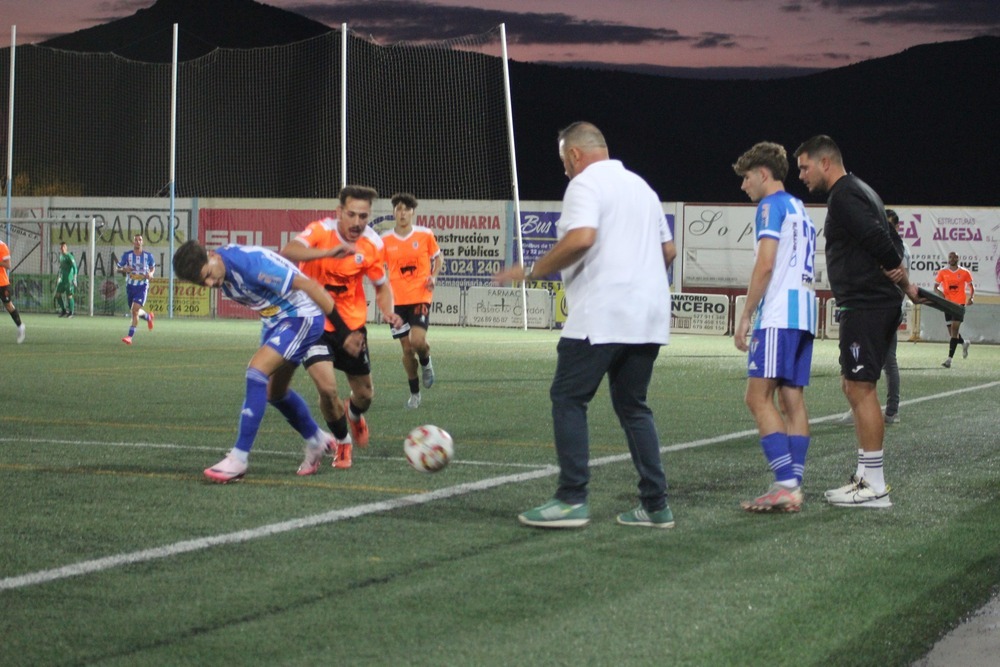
[(67, 282)]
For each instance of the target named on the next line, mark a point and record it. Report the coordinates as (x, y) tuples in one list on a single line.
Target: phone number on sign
[(473, 266)]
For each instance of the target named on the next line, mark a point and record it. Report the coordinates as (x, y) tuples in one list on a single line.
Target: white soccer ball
[(428, 448)]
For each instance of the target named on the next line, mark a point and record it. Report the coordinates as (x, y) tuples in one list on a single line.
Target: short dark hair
[(358, 192), (189, 260), (404, 198), (819, 146), (764, 154), (891, 216)]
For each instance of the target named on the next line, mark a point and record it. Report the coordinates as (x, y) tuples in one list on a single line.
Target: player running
[(139, 266), (414, 261), (953, 282), (5, 291), (316, 251)]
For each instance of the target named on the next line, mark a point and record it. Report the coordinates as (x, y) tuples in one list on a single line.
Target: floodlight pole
[(343, 105), (173, 176), (513, 173), (10, 128)]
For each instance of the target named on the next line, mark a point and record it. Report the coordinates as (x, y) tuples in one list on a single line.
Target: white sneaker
[(892, 419), (862, 496), (946, 363), (20, 333), (851, 485), (428, 375), (846, 419), (413, 402), (227, 470), (965, 349), (314, 456)]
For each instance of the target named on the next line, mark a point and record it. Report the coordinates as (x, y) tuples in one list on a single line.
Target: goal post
[(34, 260)]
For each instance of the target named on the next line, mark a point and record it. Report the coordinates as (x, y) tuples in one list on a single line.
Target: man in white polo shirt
[(614, 248)]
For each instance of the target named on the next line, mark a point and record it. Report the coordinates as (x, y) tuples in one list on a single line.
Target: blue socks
[(253, 409), (296, 412), (779, 458)]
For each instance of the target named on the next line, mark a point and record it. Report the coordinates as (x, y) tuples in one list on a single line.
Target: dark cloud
[(715, 40), (792, 8), (392, 21), (983, 15)]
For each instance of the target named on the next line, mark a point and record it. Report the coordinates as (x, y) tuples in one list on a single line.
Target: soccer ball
[(428, 448)]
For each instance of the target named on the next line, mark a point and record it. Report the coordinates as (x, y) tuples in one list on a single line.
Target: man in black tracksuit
[(864, 258)]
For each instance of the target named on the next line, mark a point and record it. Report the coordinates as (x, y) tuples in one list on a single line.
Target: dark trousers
[(580, 368)]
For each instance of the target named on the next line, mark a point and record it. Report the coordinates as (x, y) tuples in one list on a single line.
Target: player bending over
[(291, 307)]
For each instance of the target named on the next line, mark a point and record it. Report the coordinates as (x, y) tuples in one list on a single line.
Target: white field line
[(187, 546), (256, 452)]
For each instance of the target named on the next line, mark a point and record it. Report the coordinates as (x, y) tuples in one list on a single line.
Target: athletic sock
[(131, 332), (776, 451), (353, 412), (16, 316), (860, 472), (252, 413), (240, 455), (952, 344), (798, 446), (339, 428), (873, 471), (414, 385), (293, 407)]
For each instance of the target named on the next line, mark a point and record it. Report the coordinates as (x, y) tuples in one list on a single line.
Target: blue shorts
[(292, 336), (137, 293), (784, 355)]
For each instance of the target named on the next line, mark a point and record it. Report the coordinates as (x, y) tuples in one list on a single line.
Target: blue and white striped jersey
[(139, 266), (790, 299), (262, 280)]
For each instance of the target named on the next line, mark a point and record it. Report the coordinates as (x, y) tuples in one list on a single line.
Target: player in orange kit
[(318, 249), (5, 265), (414, 261), (951, 282)]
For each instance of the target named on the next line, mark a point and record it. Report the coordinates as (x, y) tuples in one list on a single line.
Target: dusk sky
[(676, 33)]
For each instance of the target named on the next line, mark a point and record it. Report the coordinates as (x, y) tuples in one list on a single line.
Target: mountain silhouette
[(918, 126), (203, 26)]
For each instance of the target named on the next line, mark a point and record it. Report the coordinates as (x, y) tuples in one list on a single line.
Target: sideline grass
[(102, 446)]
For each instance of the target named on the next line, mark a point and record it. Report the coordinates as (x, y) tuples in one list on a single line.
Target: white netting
[(265, 122), (429, 118), (34, 254)]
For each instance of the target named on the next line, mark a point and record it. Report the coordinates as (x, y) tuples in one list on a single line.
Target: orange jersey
[(953, 283), (409, 260), (4, 254), (342, 277)]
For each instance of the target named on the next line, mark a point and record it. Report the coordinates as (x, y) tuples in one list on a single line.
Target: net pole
[(173, 174), (92, 233), (10, 127), (343, 105), (513, 172)]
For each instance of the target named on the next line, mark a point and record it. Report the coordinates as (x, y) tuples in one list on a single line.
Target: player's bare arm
[(436, 264), (669, 254), (354, 341), (383, 299), (298, 251), (760, 278), (565, 252)]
